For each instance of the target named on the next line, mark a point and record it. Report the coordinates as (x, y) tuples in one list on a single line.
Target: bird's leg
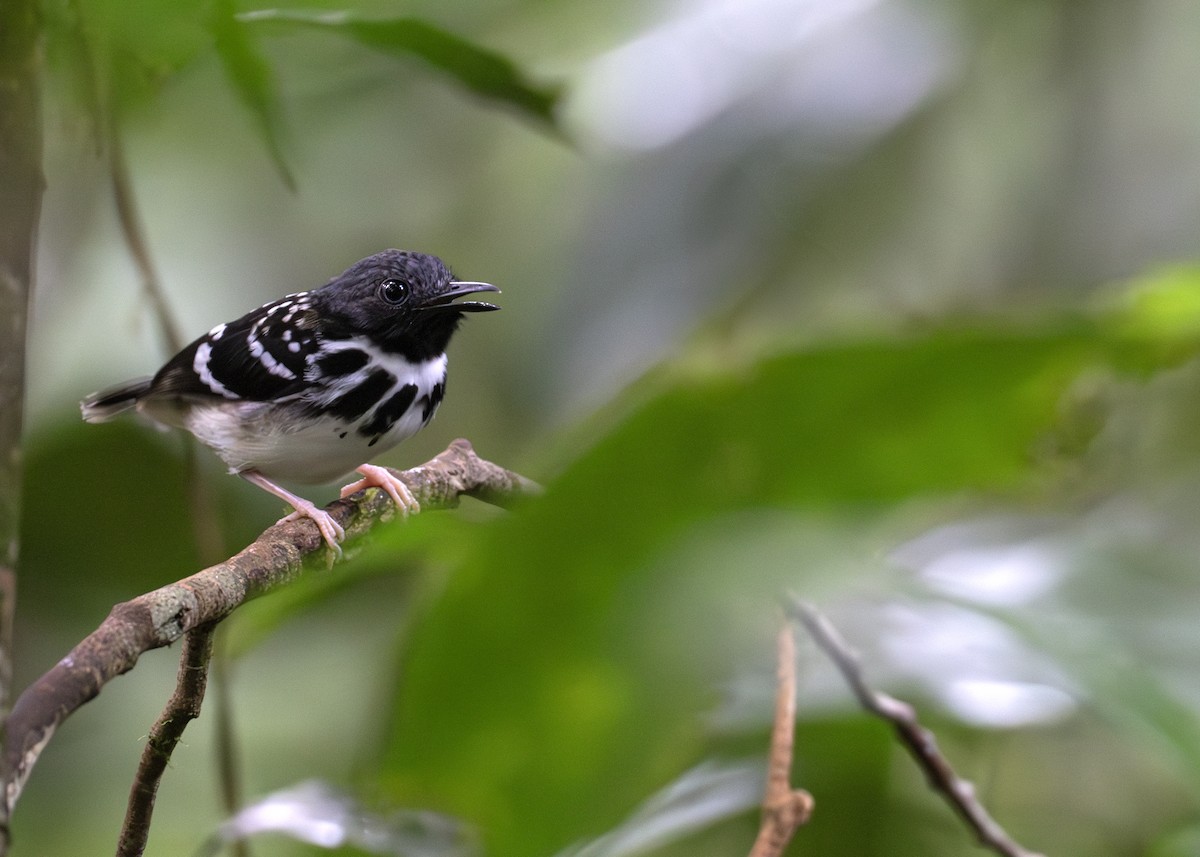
[(375, 476), (330, 529)]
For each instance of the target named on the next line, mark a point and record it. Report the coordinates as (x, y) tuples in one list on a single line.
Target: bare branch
[(160, 617), (182, 708), (919, 741), (784, 809)]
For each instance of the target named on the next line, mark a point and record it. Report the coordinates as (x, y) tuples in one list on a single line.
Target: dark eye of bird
[(393, 291)]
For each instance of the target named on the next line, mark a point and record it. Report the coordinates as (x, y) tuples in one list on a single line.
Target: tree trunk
[(21, 184)]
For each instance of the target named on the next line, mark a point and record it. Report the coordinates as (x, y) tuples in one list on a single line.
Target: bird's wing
[(260, 357)]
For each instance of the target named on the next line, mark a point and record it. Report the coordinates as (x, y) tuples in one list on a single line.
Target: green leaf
[(117, 55), (1165, 303), (252, 80), (482, 71), (127, 515), (1159, 317), (544, 695)]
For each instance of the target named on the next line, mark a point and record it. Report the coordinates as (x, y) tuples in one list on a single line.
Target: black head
[(404, 301)]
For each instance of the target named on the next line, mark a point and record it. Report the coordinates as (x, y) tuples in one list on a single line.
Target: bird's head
[(406, 302)]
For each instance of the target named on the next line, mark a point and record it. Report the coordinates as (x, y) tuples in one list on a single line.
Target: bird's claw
[(375, 476), (331, 530)]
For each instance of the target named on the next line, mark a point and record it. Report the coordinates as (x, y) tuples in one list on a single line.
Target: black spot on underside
[(432, 401), (362, 397), (389, 412)]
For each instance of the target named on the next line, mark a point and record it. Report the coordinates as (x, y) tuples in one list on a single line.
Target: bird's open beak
[(445, 301)]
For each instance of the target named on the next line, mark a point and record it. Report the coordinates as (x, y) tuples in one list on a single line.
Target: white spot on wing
[(266, 358), (200, 367)]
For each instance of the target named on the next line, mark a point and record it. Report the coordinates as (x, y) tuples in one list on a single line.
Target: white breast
[(286, 440)]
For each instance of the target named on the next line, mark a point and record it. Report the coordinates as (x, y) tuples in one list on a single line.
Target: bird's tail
[(103, 406)]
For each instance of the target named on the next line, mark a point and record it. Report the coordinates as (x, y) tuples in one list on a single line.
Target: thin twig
[(131, 229), (182, 708), (919, 741), (206, 522), (210, 545), (785, 809), (160, 617)]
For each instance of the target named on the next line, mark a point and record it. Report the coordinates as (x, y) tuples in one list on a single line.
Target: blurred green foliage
[(554, 593), (889, 308)]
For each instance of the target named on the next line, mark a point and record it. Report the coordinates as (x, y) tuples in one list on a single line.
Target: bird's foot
[(375, 476), (331, 530)]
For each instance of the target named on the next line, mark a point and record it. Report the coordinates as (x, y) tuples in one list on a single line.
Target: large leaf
[(543, 695), (482, 71)]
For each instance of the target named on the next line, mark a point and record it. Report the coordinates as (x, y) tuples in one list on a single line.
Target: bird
[(312, 386)]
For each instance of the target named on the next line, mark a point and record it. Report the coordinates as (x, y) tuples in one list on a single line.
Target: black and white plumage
[(312, 386)]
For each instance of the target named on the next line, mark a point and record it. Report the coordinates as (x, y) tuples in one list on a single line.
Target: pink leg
[(375, 476), (330, 529)]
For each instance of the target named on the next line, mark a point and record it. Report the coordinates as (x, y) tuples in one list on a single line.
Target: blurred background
[(890, 304)]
